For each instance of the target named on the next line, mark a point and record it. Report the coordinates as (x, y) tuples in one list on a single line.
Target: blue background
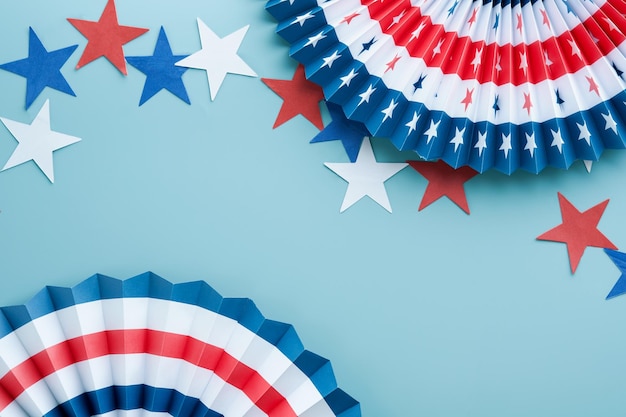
[(432, 313)]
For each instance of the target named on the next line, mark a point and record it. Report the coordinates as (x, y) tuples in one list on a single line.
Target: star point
[(218, 57), (457, 140)]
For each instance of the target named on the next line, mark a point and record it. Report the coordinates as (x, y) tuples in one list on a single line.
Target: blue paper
[(619, 259), (350, 133)]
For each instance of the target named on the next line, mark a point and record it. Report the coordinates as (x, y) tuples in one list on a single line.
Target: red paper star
[(443, 180), (105, 38), (300, 96), (578, 230), (527, 103), (468, 97)]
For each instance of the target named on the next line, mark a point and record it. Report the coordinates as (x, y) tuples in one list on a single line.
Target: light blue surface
[(431, 313)]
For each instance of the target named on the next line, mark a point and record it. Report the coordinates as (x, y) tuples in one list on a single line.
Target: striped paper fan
[(490, 84), (147, 347)]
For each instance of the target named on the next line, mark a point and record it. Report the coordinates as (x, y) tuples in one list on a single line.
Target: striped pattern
[(146, 344), (504, 85)]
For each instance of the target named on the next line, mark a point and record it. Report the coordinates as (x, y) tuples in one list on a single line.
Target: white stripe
[(173, 317)]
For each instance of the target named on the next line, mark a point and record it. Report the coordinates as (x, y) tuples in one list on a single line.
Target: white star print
[(412, 124), (611, 23), (328, 61), (481, 143), (432, 131), (313, 40), (365, 96), (437, 49), (506, 144), (218, 57), (584, 132), (547, 59), (458, 138), (37, 142), (303, 18), (345, 80), (396, 20), (366, 177), (530, 144), (523, 65), (388, 112), (609, 122), (417, 31), (575, 49), (498, 67), (557, 140), (477, 58)]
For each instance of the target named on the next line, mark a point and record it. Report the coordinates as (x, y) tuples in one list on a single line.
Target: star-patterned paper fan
[(493, 84), (149, 346)]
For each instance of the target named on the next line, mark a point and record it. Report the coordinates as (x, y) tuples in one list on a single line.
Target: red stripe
[(115, 342), (462, 48)]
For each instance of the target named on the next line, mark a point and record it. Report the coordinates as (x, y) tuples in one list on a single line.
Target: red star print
[(468, 97), (443, 180), (391, 65), (349, 18), (578, 230), (106, 38), (472, 19), (519, 23), (527, 103), (300, 96), (545, 18), (592, 85)]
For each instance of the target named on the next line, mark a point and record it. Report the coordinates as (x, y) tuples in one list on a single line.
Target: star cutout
[(346, 79), (365, 96), (36, 142), (457, 140), (417, 31), (367, 45), (519, 23), (523, 64), (468, 97), (584, 132), (218, 57), (437, 48), (161, 73), (313, 40), (300, 96), (481, 143), (575, 49), (545, 19), (366, 177), (388, 112), (496, 23), (619, 259), (609, 122), (105, 38), (557, 139), (412, 124), (506, 145), (451, 9), (547, 60), (443, 180), (303, 18), (328, 61), (396, 19), (349, 132), (569, 7), (41, 69), (578, 230), (498, 66)]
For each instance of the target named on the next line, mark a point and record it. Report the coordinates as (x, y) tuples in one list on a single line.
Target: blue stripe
[(134, 397)]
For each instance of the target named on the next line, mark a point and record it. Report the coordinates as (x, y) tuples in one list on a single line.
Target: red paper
[(578, 230), (300, 96), (443, 180)]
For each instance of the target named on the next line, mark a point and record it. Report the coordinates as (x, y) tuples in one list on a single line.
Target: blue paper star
[(350, 133), (42, 68), (161, 73), (418, 83), (495, 106), (367, 45), (451, 9), (497, 22), (619, 259), (559, 100)]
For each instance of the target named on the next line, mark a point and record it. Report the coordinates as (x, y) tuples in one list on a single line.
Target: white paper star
[(437, 48), (609, 122), (303, 18), (365, 96), (523, 64), (218, 56), (477, 58), (388, 112), (313, 40), (588, 164), (366, 177), (557, 140), (530, 144), (432, 131), (584, 132), (345, 80), (328, 61), (412, 124), (37, 142), (417, 31), (575, 49)]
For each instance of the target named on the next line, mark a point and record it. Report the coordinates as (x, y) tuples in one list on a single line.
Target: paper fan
[(489, 84), (150, 347)]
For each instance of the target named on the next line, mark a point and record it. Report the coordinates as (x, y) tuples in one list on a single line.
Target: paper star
[(609, 122), (467, 100), (161, 73), (531, 145), (218, 57), (366, 177), (481, 143), (431, 132), (300, 96), (593, 86), (557, 139), (350, 133), (506, 145), (365, 96), (419, 82), (105, 38), (578, 230), (527, 103), (443, 180), (367, 45), (36, 142), (619, 259), (42, 68), (457, 140), (584, 132)]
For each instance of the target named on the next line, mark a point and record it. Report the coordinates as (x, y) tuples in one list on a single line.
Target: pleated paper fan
[(488, 84), (145, 346)]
